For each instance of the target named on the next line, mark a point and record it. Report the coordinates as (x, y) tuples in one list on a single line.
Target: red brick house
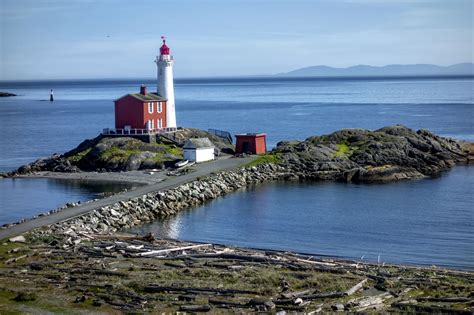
[(138, 113), (253, 143)]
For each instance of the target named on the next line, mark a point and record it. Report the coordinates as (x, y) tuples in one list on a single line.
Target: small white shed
[(198, 150)]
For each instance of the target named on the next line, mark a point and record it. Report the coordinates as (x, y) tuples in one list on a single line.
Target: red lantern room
[(164, 50)]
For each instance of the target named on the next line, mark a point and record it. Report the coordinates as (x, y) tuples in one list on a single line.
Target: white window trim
[(152, 124), (150, 108), (159, 109)]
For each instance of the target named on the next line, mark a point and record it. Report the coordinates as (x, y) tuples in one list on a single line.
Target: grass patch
[(6, 251), (123, 153), (171, 149), (79, 156), (175, 151), (270, 158), (343, 149), (115, 153)]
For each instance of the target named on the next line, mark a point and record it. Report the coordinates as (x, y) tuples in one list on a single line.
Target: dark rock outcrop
[(6, 94), (187, 133), (107, 154), (114, 154), (386, 154)]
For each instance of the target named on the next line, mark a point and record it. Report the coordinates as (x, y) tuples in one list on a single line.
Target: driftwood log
[(356, 288), (195, 308), (169, 250), (409, 307), (157, 289)]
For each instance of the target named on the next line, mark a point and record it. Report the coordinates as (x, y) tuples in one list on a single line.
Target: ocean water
[(22, 198), (422, 222), (285, 109)]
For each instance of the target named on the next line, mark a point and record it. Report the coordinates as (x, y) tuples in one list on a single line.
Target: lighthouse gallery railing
[(134, 131)]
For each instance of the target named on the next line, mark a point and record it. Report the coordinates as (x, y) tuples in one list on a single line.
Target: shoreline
[(291, 160), (94, 207), (331, 258), (97, 214), (130, 273), (80, 259), (130, 177), (156, 205), (253, 175)]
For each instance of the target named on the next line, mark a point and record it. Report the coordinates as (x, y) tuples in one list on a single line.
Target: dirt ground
[(128, 274)]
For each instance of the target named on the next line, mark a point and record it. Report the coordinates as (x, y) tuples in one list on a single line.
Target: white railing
[(135, 132)]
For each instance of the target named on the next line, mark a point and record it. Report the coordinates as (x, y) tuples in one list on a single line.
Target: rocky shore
[(119, 273), (155, 205), (387, 154), (120, 154), (411, 155), (89, 266), (359, 155)]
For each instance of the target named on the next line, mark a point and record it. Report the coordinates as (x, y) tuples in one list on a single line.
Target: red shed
[(254, 143), (143, 111)]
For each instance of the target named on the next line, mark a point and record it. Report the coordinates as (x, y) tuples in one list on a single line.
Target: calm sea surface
[(425, 222), (419, 222), (23, 198)]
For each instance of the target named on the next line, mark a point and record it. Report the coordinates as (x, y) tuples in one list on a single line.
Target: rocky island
[(118, 154), (387, 154), (6, 94), (88, 264)]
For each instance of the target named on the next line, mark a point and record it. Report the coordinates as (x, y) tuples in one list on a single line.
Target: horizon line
[(279, 74), (276, 76)]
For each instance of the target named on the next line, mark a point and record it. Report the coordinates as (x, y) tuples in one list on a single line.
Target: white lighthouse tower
[(165, 87)]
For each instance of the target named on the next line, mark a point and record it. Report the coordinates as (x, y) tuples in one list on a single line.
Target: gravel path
[(170, 182), (132, 177)]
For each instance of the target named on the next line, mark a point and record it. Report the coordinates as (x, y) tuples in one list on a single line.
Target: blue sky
[(56, 39)]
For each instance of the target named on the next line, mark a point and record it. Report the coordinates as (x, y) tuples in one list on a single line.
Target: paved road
[(170, 182)]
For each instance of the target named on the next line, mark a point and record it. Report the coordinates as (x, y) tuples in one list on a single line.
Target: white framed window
[(152, 124), (158, 122), (159, 107), (150, 108)]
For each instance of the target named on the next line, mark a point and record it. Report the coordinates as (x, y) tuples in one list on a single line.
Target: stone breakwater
[(149, 207), (388, 154), (62, 208)]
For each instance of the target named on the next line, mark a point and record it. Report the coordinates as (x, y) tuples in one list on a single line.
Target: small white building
[(198, 150)]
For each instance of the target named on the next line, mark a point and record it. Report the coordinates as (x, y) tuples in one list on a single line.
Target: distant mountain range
[(390, 70)]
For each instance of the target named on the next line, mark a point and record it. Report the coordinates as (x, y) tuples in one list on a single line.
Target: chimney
[(143, 89)]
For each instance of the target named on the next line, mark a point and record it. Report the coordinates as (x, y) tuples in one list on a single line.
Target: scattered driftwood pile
[(134, 273)]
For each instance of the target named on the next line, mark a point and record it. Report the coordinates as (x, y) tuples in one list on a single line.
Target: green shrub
[(269, 158)]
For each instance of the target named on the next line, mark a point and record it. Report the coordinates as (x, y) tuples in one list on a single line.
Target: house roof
[(251, 134), (198, 143), (147, 97)]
